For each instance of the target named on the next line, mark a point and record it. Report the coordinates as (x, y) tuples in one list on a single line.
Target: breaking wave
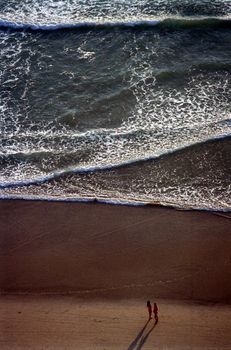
[(165, 23)]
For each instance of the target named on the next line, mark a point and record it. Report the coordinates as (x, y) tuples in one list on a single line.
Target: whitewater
[(123, 102)]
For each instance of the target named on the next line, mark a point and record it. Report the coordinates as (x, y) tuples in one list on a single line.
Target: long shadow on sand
[(144, 339), (139, 335)]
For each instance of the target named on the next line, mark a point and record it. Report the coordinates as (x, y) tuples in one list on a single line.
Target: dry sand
[(68, 323), (111, 259)]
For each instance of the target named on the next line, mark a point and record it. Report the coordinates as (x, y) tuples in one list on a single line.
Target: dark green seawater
[(119, 101)]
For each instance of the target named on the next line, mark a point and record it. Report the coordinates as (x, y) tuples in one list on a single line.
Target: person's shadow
[(139, 335), (144, 339)]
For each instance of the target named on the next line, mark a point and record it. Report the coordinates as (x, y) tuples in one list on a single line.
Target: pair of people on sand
[(155, 310)]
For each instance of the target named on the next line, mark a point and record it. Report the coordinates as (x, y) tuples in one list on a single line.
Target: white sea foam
[(181, 198), (163, 121), (52, 14), (42, 145)]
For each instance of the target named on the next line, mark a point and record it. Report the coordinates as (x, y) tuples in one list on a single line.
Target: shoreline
[(118, 202)]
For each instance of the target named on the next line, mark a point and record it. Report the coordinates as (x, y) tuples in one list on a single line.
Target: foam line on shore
[(114, 201)]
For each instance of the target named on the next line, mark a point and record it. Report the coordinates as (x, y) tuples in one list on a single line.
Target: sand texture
[(70, 323), (77, 276), (114, 251)]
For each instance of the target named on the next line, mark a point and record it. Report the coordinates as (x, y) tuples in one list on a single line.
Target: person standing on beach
[(149, 309), (155, 311)]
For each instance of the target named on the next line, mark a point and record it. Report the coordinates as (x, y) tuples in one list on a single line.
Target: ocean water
[(124, 101)]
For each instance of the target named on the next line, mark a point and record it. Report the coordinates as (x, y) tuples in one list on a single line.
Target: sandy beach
[(72, 323), (77, 276), (115, 181)]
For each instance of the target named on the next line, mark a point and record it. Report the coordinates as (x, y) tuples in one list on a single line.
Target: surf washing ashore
[(126, 102), (104, 103)]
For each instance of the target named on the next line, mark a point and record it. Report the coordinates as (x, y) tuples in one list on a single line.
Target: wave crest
[(169, 23)]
